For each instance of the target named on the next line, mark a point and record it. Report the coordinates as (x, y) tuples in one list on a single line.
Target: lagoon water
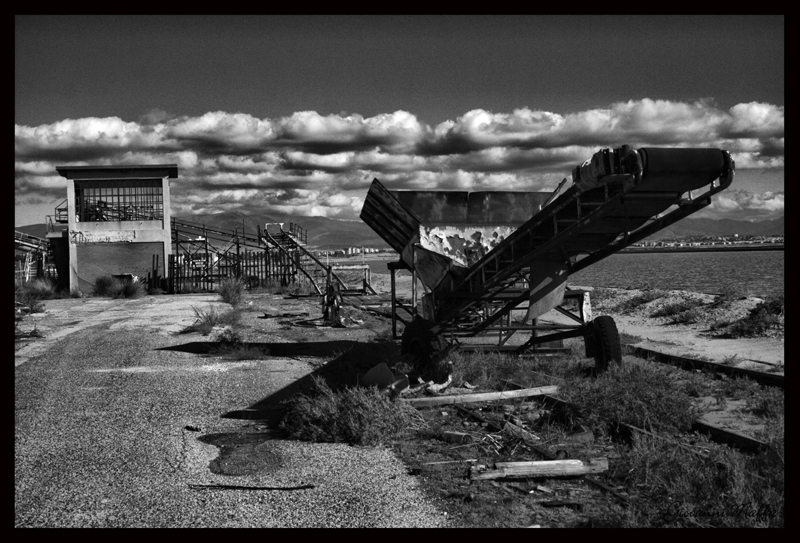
[(757, 273)]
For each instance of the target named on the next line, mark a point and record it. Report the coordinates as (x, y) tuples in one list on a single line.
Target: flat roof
[(122, 171)]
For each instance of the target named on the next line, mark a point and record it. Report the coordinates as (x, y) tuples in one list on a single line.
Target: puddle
[(243, 453)]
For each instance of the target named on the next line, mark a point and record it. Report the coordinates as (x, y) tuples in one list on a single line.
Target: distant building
[(118, 223)]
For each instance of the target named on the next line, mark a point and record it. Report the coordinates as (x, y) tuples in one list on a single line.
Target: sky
[(280, 114)]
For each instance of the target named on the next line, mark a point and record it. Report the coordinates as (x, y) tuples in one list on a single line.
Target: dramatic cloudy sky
[(297, 114)]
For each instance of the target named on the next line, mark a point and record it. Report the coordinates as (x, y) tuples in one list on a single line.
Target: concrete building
[(118, 223)]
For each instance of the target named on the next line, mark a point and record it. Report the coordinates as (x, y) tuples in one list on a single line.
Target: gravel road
[(117, 425)]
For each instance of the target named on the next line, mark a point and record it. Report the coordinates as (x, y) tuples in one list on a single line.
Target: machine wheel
[(607, 347), (426, 347)]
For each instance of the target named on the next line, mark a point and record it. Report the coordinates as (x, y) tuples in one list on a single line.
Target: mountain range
[(334, 233)]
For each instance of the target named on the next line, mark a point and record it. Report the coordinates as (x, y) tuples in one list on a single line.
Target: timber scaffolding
[(484, 256), (204, 256)]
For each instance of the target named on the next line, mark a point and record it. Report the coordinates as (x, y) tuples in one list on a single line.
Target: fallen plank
[(481, 397), (722, 435), (544, 468), (610, 490), (521, 433), (769, 379)]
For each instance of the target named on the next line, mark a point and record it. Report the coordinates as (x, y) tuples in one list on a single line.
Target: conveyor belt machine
[(483, 256)]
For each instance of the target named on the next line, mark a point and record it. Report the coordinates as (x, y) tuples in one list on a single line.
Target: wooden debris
[(440, 387), (521, 433), (734, 439), (457, 437), (544, 468), (610, 490), (449, 462), (481, 397), (562, 503)]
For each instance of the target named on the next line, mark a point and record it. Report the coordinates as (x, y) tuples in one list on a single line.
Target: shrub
[(356, 415), (206, 320), (638, 393), (106, 286), (111, 287), (676, 308), (230, 289), (763, 317), (129, 289), (640, 299), (721, 487), (690, 316)]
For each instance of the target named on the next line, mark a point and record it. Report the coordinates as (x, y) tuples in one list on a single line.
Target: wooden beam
[(483, 397), (543, 468)]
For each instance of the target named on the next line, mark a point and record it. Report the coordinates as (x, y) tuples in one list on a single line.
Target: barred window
[(119, 200)]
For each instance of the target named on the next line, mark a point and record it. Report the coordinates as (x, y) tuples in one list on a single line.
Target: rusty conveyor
[(518, 253)]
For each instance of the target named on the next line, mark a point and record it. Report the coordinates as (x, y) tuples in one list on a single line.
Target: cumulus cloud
[(306, 162)]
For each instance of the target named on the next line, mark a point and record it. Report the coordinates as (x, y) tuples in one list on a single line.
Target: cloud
[(745, 205), (306, 162)]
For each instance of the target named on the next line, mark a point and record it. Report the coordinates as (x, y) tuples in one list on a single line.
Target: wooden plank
[(482, 397), (690, 363), (740, 441), (542, 468)]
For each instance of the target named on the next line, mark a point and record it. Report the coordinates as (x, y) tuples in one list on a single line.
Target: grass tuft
[(642, 298), (207, 319), (231, 290), (718, 488), (355, 415), (638, 393)]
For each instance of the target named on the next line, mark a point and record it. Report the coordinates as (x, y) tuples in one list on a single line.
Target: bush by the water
[(764, 317)]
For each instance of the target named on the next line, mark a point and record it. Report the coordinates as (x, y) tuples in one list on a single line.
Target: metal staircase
[(293, 243)]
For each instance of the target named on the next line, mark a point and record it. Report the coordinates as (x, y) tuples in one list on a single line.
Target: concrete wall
[(116, 247), (98, 259)]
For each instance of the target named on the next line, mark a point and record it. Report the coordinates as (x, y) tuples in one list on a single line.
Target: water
[(757, 273)]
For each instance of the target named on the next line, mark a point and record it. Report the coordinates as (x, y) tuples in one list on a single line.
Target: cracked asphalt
[(119, 424)]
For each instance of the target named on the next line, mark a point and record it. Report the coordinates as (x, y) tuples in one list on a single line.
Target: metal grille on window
[(126, 200)]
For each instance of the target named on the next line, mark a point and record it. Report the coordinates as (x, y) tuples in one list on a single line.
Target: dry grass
[(355, 415)]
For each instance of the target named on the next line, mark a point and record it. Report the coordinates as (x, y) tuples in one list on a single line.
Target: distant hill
[(333, 233)]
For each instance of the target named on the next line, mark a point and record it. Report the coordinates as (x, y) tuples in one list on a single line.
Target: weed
[(731, 292), (767, 403), (228, 337), (764, 317), (357, 415), (731, 360), (106, 286), (628, 339), (38, 289), (231, 289), (687, 317), (240, 351), (638, 393), (721, 488), (642, 298), (129, 289), (676, 308), (206, 320)]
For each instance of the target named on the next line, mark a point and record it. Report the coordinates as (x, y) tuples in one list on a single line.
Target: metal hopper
[(482, 255)]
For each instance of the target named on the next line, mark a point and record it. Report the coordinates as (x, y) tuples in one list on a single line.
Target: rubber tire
[(608, 347), (419, 341)]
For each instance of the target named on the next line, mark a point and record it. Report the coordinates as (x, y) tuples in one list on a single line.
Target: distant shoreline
[(704, 249)]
